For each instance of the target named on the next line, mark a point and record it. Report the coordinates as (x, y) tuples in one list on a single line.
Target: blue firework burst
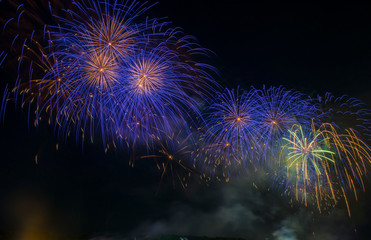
[(153, 96), (278, 110), (231, 129)]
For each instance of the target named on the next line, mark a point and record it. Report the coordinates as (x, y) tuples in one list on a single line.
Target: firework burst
[(307, 157), (323, 165), (231, 127), (278, 111), (152, 96), (106, 28)]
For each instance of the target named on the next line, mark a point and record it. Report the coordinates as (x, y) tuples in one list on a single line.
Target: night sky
[(80, 192)]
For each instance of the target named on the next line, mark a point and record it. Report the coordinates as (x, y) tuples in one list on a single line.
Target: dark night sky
[(306, 46), (310, 47)]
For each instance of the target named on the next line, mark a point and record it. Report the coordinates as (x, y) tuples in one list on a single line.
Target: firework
[(353, 160), (109, 29), (307, 156), (22, 34), (231, 127), (278, 111), (346, 112), (48, 92), (157, 92), (323, 165), (173, 158)]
